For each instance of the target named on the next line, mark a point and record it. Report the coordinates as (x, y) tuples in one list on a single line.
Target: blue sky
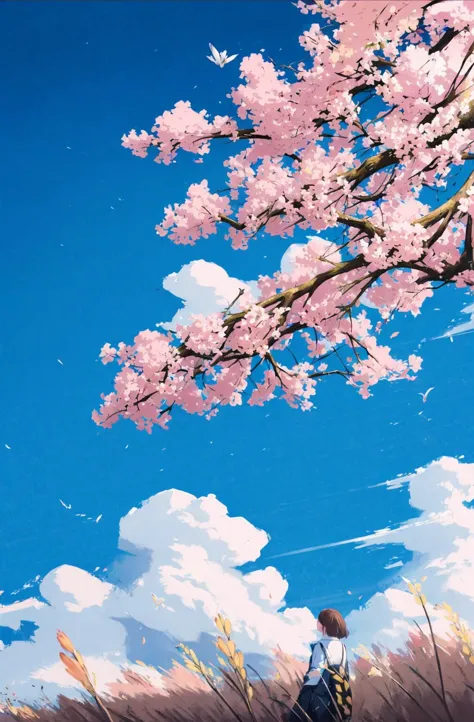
[(81, 267)]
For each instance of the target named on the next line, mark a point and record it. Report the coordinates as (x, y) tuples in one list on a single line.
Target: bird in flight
[(425, 395), (66, 506), (218, 58)]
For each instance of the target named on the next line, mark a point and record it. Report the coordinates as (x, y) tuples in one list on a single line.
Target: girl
[(316, 699)]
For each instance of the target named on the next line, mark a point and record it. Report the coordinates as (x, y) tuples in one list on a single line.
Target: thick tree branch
[(451, 205), (445, 39)]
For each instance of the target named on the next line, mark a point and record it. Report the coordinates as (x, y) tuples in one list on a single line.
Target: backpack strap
[(325, 653), (344, 655), (312, 646)]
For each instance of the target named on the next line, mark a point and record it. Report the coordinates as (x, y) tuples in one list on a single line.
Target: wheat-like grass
[(193, 663), (416, 590), (460, 631), (76, 667), (234, 658), (22, 711)]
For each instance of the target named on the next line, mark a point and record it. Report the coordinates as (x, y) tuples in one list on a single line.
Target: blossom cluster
[(360, 140)]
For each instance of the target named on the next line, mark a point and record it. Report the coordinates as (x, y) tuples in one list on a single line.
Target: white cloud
[(183, 549), (204, 288), (442, 542), (465, 327), (441, 539)]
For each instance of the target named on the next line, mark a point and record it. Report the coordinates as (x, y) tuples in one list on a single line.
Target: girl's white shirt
[(336, 652)]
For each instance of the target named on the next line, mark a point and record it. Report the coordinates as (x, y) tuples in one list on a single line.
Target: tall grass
[(430, 680)]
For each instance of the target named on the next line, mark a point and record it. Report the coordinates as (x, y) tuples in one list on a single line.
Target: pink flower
[(304, 162)]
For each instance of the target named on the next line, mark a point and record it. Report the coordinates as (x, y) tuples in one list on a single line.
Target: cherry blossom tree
[(355, 144)]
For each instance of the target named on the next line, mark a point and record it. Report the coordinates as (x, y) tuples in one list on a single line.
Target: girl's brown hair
[(333, 622)]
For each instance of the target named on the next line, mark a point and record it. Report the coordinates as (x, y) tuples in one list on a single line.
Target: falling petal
[(8, 447)]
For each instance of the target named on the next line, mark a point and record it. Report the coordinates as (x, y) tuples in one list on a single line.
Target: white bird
[(425, 395), (218, 58), (66, 506)]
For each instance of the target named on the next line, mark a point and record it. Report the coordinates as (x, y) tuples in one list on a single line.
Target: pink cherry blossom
[(360, 158)]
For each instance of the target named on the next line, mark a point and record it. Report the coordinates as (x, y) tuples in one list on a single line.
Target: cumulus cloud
[(184, 549), (207, 288), (440, 536), (441, 539), (204, 288)]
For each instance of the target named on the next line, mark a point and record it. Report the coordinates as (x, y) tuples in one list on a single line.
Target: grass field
[(429, 680)]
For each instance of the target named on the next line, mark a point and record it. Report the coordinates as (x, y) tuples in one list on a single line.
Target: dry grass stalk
[(194, 664), (460, 631), (22, 711), (417, 592), (234, 659), (76, 667)]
